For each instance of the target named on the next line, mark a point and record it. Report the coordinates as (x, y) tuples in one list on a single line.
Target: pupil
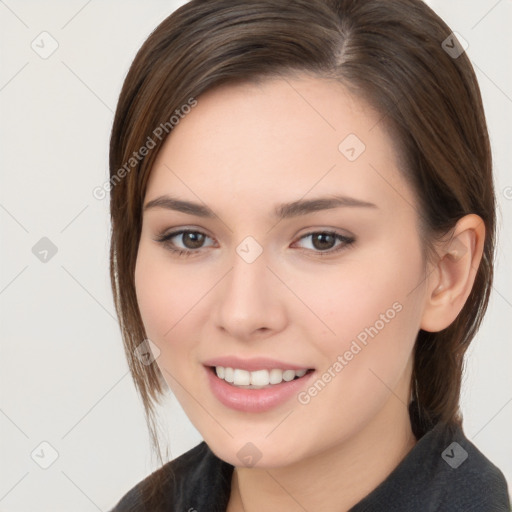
[(326, 240), (196, 240)]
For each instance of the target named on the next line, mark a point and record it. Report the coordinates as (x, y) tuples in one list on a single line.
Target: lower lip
[(255, 400)]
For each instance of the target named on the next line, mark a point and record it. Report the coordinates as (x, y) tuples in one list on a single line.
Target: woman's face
[(302, 253)]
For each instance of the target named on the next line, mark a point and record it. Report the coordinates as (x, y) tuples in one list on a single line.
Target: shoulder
[(185, 483), (470, 480), (444, 472)]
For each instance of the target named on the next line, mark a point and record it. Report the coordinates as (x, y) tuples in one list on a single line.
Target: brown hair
[(390, 52)]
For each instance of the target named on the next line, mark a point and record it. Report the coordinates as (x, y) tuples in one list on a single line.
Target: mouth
[(255, 385), (258, 379)]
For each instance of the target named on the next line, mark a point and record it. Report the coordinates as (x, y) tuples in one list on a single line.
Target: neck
[(336, 479)]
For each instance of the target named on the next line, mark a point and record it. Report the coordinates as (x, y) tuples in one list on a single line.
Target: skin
[(243, 150)]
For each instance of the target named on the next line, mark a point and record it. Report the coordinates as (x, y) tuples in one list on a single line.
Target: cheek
[(371, 310), (364, 292), (164, 294), (173, 304), (365, 364), (152, 295)]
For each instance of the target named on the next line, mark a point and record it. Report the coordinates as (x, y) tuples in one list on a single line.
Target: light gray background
[(63, 376)]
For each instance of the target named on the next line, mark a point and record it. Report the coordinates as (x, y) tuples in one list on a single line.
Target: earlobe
[(452, 276)]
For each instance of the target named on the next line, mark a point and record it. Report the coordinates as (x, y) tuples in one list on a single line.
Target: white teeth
[(276, 376), (229, 375), (258, 378), (288, 375), (241, 377)]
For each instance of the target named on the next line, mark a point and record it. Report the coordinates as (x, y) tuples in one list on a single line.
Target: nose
[(250, 301)]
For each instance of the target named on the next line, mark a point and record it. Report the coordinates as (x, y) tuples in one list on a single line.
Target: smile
[(256, 389), (258, 379)]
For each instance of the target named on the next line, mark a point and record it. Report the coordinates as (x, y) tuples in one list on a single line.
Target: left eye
[(321, 242), (325, 241)]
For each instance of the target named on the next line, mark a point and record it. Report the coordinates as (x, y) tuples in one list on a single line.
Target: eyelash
[(165, 240)]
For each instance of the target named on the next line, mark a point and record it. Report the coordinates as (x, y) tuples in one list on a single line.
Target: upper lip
[(253, 364)]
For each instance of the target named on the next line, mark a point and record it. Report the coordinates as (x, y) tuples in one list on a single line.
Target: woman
[(305, 259)]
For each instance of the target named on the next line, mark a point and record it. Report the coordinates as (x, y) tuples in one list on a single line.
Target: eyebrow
[(283, 211)]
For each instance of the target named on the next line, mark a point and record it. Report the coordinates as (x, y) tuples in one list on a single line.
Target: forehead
[(280, 138)]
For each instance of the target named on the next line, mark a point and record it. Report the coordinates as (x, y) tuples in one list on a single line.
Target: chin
[(254, 451)]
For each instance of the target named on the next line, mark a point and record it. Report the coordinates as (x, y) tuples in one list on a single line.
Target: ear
[(451, 277)]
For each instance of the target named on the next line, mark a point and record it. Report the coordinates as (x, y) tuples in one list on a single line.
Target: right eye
[(190, 241)]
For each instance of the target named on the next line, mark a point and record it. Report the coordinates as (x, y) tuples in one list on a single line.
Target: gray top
[(444, 472)]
